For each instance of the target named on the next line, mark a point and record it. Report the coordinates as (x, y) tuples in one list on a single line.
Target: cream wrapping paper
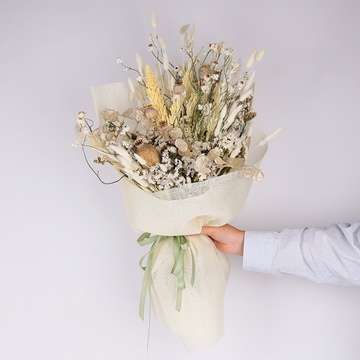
[(114, 96), (183, 211)]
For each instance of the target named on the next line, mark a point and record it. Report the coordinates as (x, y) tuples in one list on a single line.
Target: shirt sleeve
[(324, 255)]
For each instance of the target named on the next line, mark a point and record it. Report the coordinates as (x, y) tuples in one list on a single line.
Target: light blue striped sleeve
[(324, 255)]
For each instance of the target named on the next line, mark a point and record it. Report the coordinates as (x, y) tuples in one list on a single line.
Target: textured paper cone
[(183, 211), (214, 202)]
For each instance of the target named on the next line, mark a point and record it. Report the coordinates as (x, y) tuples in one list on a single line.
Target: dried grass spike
[(251, 59), (154, 21), (154, 94), (184, 29), (260, 55)]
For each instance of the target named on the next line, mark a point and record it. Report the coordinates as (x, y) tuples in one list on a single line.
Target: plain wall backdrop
[(69, 274)]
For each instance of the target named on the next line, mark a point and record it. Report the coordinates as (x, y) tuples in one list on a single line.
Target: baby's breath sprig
[(126, 68)]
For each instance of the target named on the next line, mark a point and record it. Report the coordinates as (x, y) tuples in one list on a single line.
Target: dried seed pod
[(178, 88), (149, 153), (150, 113), (81, 115)]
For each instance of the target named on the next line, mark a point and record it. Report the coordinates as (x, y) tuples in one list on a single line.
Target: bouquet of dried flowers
[(181, 136)]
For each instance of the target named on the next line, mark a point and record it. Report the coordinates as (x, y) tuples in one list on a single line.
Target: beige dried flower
[(150, 113), (109, 115), (181, 145), (175, 133)]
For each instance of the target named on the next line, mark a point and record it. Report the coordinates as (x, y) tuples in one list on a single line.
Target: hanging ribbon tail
[(180, 244), (145, 286), (146, 239)]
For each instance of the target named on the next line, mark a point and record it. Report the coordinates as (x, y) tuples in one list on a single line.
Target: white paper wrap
[(214, 202), (183, 211)]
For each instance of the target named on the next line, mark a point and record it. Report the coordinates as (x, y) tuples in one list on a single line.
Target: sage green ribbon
[(180, 244)]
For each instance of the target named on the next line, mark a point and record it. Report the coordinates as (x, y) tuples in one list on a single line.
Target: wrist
[(241, 242)]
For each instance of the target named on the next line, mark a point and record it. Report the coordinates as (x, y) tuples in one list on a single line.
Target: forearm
[(326, 255)]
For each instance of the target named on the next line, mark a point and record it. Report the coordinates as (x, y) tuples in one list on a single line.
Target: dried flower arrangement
[(192, 121)]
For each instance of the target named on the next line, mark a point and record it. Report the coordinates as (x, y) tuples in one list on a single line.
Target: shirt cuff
[(258, 251)]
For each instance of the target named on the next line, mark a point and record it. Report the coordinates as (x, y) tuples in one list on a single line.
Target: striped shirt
[(324, 255)]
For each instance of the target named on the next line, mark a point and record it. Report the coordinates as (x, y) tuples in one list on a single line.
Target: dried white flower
[(172, 149), (76, 143)]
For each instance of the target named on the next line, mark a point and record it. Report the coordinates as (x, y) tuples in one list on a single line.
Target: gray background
[(69, 275)]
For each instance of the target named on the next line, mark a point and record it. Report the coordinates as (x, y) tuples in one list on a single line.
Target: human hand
[(226, 238)]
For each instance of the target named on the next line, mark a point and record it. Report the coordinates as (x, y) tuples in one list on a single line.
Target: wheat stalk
[(175, 111), (154, 94)]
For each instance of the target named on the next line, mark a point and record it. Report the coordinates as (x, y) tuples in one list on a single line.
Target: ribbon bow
[(180, 244)]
